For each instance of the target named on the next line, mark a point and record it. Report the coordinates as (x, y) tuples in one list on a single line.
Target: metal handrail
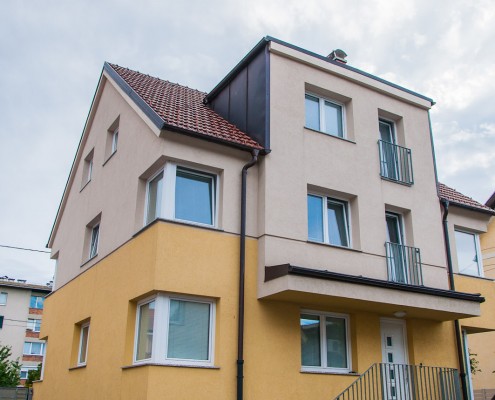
[(395, 162), (385, 381), (404, 264)]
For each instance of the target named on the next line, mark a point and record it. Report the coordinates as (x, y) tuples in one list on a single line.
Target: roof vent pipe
[(338, 55)]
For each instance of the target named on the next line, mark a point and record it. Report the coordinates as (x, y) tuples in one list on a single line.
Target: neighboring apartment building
[(468, 223), (21, 311), (342, 266)]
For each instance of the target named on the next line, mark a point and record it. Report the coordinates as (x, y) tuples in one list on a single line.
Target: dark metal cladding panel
[(257, 100), (221, 103), (238, 100)]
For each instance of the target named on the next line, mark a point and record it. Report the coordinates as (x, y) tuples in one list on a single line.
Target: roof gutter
[(458, 339), (242, 269)]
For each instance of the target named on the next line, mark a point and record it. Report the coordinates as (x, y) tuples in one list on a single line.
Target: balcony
[(404, 382), (395, 163), (404, 264)]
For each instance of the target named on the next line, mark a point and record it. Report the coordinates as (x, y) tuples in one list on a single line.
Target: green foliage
[(33, 375), (10, 370), (474, 363)]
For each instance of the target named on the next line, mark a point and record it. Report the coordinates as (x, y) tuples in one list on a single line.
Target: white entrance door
[(395, 371)]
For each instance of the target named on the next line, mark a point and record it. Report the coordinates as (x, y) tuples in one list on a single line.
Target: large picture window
[(468, 253), (324, 115), (182, 194), (328, 221), (172, 330), (325, 342)]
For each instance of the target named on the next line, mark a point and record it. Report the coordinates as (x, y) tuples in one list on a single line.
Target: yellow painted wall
[(483, 344), (177, 258), (487, 289)]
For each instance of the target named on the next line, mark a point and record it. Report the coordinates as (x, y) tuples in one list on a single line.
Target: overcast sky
[(52, 53)]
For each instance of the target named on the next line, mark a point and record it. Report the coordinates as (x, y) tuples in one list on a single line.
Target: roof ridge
[(156, 77)]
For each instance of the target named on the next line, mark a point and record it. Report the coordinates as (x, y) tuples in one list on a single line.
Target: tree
[(33, 375), (10, 370), (473, 362)]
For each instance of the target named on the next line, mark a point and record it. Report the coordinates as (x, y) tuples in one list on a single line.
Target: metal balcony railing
[(404, 382), (404, 264), (395, 162)]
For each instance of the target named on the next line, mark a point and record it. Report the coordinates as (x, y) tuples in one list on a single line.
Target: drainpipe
[(458, 339), (242, 268)]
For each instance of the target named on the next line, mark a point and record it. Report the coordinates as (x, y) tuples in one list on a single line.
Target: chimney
[(338, 55)]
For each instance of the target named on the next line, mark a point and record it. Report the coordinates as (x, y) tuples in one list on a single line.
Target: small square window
[(325, 342), (33, 348), (182, 194), (468, 253), (3, 298), (328, 221), (325, 115), (36, 302), (34, 324), (83, 344), (185, 336)]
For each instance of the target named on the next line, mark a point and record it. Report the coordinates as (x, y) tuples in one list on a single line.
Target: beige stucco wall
[(15, 314), (118, 185), (304, 160)]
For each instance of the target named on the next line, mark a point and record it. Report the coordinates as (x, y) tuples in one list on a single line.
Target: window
[(395, 161), (34, 324), (172, 330), (88, 168), (3, 298), (182, 194), (36, 302), (93, 247), (83, 344), (324, 115), (115, 139), (327, 221), (468, 253), (25, 371), (325, 343), (33, 348)]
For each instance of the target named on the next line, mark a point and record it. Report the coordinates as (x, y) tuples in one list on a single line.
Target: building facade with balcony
[(21, 311), (337, 268)]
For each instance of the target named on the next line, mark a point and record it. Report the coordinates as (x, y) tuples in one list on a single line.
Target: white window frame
[(3, 295), (167, 205), (31, 346), (321, 112), (31, 324), (159, 345), (323, 342), (26, 370), (115, 140), (81, 336), (347, 220), (479, 256), (93, 247)]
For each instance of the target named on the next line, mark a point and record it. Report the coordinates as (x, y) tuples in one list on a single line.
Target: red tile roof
[(453, 196), (183, 108)]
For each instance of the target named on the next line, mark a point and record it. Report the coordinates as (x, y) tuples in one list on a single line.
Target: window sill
[(330, 135), (83, 186), (77, 367), (333, 246), (384, 178), (88, 260), (184, 223), (179, 365), (108, 158), (329, 372), (475, 276)]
